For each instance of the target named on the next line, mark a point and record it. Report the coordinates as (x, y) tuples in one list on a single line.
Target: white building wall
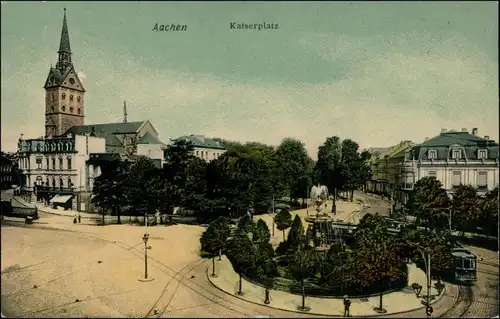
[(153, 151), (207, 154), (469, 173)]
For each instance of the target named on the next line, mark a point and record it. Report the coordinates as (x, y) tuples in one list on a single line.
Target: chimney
[(443, 130), (464, 130), (474, 131), (486, 137)]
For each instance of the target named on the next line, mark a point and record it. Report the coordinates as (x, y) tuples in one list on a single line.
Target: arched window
[(53, 147), (70, 184), (47, 182), (53, 182), (53, 97), (71, 98), (63, 96), (46, 147), (71, 109), (79, 111), (52, 108), (39, 180), (64, 108), (58, 147), (61, 183), (78, 99), (38, 147)]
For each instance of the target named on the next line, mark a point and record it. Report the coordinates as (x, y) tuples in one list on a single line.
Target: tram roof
[(462, 253)]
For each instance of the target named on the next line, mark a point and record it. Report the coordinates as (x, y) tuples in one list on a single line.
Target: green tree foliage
[(296, 166), (428, 201), (108, 191), (302, 267), (328, 167), (139, 194), (414, 242), (241, 253), (465, 207), (283, 221), (246, 224), (488, 206), (261, 233), (214, 238), (296, 235)]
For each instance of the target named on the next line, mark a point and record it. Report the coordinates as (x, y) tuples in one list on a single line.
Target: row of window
[(53, 147), (71, 109), (204, 154), (457, 154), (24, 163), (69, 183), (5, 168), (482, 178), (78, 98)]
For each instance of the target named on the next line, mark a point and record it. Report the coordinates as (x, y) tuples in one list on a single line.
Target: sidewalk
[(396, 302)]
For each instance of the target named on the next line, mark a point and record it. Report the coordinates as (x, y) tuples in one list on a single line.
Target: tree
[(261, 234), (488, 206), (213, 239), (171, 180), (296, 236), (295, 164), (327, 169), (195, 189), (137, 186), (428, 201), (302, 267), (108, 190), (240, 252), (246, 224), (465, 206), (283, 221)]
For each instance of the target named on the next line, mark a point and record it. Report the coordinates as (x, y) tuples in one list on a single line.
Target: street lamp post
[(418, 288), (145, 239)]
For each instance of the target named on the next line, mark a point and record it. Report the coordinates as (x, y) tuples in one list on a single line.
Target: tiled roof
[(148, 138), (202, 141), (107, 131), (442, 143)]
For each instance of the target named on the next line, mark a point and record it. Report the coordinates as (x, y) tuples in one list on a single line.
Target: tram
[(464, 266)]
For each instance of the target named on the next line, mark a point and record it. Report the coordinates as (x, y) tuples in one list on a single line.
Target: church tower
[(64, 92)]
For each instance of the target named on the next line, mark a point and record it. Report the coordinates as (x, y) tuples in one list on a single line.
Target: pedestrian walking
[(347, 305), (74, 219), (79, 219)]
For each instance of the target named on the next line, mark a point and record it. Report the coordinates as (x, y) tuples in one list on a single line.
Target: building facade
[(57, 167), (205, 148), (64, 92), (453, 158), (8, 170)]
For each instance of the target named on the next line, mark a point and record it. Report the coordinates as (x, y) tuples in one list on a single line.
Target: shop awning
[(61, 199)]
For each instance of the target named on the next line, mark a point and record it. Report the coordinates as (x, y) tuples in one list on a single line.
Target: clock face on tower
[(72, 81)]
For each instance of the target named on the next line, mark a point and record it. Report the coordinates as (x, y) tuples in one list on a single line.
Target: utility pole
[(273, 215)]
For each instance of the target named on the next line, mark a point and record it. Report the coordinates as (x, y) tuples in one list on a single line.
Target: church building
[(55, 168)]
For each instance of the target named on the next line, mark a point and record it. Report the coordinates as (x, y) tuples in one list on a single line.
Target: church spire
[(64, 61)]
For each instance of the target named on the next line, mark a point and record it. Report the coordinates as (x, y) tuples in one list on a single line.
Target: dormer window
[(432, 154), (482, 154), (456, 154)]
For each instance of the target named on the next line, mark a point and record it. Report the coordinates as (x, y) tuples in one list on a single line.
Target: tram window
[(467, 264)]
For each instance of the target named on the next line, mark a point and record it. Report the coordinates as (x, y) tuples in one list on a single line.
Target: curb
[(329, 315)]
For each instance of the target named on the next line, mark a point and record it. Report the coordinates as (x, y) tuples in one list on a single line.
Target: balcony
[(54, 189)]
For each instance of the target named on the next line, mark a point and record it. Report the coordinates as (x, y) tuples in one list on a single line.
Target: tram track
[(197, 289), (462, 304)]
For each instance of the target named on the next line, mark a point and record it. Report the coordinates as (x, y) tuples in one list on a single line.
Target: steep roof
[(148, 138), (64, 44), (107, 131), (444, 141), (202, 141)]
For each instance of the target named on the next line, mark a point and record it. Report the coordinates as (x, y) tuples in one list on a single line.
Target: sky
[(375, 72)]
